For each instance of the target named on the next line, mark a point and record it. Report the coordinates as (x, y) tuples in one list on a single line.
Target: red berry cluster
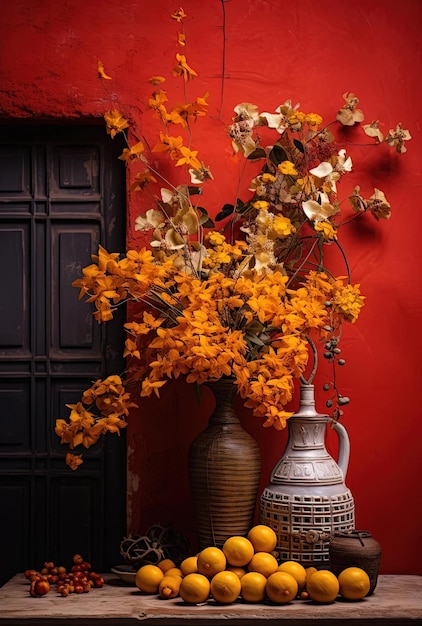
[(80, 579)]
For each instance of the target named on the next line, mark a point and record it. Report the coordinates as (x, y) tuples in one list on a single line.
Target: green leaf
[(198, 392), (205, 221), (208, 223), (194, 191), (278, 154), (254, 327), (321, 254), (228, 209), (254, 339), (299, 145), (247, 206), (259, 153)]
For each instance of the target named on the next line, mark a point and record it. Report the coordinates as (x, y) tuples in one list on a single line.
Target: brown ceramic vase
[(224, 473)]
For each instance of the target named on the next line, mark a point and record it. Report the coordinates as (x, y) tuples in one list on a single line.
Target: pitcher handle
[(344, 447)]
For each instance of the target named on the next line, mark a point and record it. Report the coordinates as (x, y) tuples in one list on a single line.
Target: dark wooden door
[(61, 194)]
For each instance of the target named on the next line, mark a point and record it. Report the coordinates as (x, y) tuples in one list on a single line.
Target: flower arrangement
[(208, 303)]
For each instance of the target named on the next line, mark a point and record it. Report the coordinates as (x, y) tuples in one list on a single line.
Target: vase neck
[(307, 403), (224, 391)]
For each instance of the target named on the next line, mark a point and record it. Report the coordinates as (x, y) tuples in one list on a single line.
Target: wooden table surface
[(397, 601)]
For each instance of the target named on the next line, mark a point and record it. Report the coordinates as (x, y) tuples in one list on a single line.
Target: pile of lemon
[(246, 568)]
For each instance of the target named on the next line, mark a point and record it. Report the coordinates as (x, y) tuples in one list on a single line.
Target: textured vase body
[(307, 500), (224, 473), (356, 548)]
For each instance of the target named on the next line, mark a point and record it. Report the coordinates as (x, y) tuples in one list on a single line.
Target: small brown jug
[(355, 548)]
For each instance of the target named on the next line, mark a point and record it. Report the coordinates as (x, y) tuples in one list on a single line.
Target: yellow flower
[(133, 152), (115, 122), (268, 178), (183, 69), (348, 301), (157, 101), (169, 144), (201, 103), (320, 284), (188, 158), (156, 80), (327, 230), (131, 349), (282, 226), (141, 180), (79, 416), (296, 119), (101, 71), (111, 424), (159, 109), (73, 460), (215, 238), (179, 15), (314, 120), (287, 168), (277, 417), (261, 205), (64, 431), (149, 323)]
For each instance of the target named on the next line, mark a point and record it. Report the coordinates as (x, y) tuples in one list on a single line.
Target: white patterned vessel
[(307, 500)]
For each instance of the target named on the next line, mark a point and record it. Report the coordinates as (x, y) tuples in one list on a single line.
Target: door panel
[(61, 194)]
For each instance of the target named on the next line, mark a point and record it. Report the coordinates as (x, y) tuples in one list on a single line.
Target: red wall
[(311, 52)]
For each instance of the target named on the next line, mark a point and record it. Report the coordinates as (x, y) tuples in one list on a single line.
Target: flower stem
[(311, 376)]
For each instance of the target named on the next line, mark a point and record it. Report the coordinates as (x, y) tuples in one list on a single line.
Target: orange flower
[(179, 15), (169, 144), (183, 69), (141, 180), (115, 123), (133, 152), (189, 158), (73, 460), (101, 71), (156, 80)]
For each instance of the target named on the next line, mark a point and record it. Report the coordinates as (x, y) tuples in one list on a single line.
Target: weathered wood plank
[(397, 601)]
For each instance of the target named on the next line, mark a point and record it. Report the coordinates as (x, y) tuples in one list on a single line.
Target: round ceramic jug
[(307, 500), (356, 548)]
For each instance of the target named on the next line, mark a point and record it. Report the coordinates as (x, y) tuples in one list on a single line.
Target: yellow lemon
[(166, 564), (169, 586), (238, 550), (309, 571), (239, 571), (296, 570), (189, 565), (264, 563), (211, 561), (174, 571), (195, 588), (225, 587), (148, 578), (252, 587), (263, 538), (281, 587), (354, 583), (323, 586)]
